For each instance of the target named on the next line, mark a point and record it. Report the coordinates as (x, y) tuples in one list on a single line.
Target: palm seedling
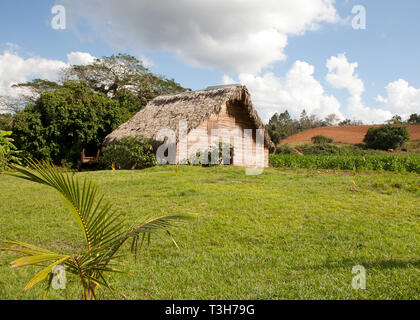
[(102, 229)]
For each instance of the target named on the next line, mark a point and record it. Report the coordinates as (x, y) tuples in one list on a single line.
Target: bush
[(321, 140), (215, 156), (320, 149), (387, 137), (8, 152), (129, 153), (285, 149)]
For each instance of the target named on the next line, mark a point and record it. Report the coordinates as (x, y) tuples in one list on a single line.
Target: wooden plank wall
[(233, 119)]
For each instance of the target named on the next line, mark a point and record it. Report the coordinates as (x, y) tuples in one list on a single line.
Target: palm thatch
[(194, 107)]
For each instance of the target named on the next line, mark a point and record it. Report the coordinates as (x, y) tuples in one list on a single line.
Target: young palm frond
[(102, 229)]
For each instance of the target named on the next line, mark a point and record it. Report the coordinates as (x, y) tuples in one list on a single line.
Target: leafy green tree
[(395, 120), (349, 122), (331, 120), (26, 93), (101, 227), (387, 137), (63, 122), (414, 119), (304, 120), (57, 120), (6, 121), (124, 77), (281, 126)]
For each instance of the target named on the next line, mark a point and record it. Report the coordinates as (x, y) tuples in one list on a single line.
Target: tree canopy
[(123, 77), (59, 119), (414, 119), (282, 125), (63, 122), (387, 137)]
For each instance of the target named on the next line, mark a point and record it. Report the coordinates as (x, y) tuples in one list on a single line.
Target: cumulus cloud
[(296, 91), (16, 69), (232, 35), (401, 98), (342, 75), (80, 58)]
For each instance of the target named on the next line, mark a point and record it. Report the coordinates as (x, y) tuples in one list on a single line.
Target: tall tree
[(304, 120), (395, 120), (123, 77), (63, 122), (414, 119), (332, 120), (349, 122)]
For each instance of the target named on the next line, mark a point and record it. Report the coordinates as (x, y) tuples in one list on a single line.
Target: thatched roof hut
[(196, 108)]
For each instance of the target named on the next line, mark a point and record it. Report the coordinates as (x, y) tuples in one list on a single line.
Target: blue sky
[(385, 52)]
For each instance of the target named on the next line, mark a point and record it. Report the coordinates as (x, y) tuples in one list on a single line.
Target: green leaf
[(44, 273)]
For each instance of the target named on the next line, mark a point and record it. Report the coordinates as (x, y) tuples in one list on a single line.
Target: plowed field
[(351, 134)]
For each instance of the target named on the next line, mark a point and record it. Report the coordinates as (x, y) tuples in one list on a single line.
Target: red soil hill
[(350, 134)]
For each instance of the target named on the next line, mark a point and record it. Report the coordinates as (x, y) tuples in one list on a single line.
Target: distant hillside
[(351, 134)]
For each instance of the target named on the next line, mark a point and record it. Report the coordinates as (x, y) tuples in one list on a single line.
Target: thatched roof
[(194, 107)]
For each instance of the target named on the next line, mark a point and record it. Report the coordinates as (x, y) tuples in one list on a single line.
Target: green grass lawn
[(281, 235)]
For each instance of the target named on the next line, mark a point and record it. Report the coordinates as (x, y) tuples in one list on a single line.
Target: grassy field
[(281, 235)]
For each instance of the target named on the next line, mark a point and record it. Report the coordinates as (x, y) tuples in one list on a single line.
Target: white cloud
[(402, 98), (15, 69), (298, 90), (80, 58), (342, 75), (232, 35), (228, 80)]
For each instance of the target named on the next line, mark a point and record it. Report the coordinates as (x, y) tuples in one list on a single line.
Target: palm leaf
[(27, 247), (36, 260), (100, 225), (45, 272), (163, 223)]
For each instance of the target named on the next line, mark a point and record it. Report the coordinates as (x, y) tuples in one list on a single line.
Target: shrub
[(8, 151), (215, 156), (285, 149), (129, 153), (361, 146), (321, 140), (387, 137)]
